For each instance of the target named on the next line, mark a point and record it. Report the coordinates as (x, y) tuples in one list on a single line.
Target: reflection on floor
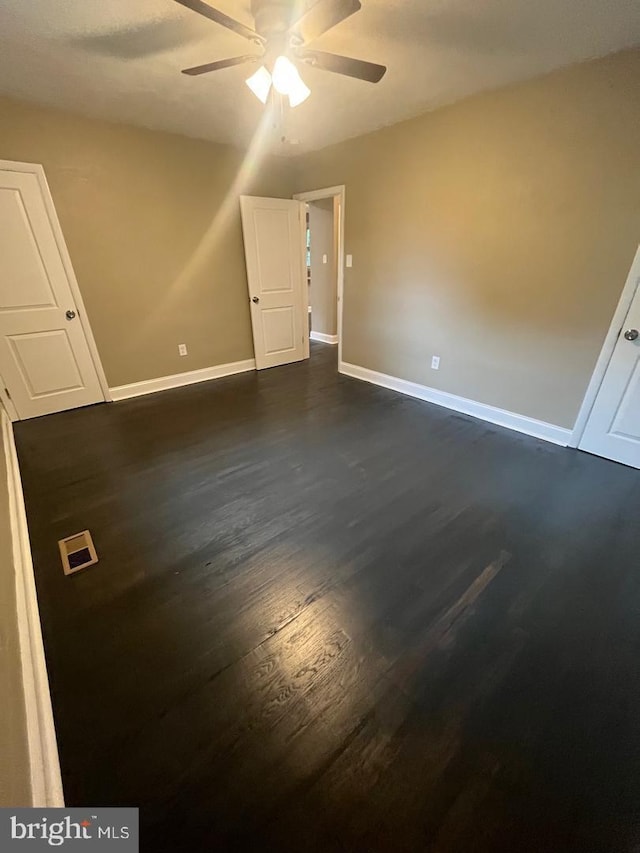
[(327, 617)]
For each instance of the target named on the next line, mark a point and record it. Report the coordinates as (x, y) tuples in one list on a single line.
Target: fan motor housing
[(272, 17)]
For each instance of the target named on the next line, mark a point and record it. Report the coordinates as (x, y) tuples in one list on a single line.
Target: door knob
[(70, 315), (631, 335), (256, 299)]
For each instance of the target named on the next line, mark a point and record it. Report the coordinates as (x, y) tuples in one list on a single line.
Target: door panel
[(271, 228), (278, 327), (45, 360), (613, 428), (24, 282), (626, 423), (274, 251)]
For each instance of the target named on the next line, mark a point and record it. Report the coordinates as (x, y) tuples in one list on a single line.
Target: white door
[(613, 428), (45, 361), (274, 249)]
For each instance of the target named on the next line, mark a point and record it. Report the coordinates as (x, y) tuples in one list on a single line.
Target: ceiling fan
[(283, 43)]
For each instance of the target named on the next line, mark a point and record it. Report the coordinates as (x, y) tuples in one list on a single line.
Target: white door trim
[(7, 402), (610, 341), (37, 170), (333, 192)]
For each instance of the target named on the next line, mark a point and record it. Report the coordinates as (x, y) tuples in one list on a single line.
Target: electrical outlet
[(435, 362), (182, 349)]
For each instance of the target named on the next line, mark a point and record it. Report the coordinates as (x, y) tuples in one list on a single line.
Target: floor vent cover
[(77, 552)]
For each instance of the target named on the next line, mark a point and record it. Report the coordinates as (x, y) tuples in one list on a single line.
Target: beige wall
[(157, 252), (496, 233), (323, 294), (15, 787)]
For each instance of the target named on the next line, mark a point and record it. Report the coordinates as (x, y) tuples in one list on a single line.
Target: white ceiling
[(121, 60)]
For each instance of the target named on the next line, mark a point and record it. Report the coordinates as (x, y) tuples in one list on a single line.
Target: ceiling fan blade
[(322, 16), (221, 63), (222, 19), (357, 68)]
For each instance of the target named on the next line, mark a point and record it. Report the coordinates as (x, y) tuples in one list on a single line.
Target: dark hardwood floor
[(327, 617)]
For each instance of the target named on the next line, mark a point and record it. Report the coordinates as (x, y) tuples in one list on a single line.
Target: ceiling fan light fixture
[(287, 81), (274, 32), (284, 75), (260, 84), (298, 92)]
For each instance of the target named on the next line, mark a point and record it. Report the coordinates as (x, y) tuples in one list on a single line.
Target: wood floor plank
[(332, 618)]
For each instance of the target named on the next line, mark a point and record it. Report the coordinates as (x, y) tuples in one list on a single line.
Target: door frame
[(317, 195), (628, 293), (38, 170)]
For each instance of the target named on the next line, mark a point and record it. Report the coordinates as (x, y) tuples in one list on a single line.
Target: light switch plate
[(349, 260), (324, 259)]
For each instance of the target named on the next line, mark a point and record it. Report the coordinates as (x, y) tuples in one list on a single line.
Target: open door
[(613, 427), (45, 358), (273, 231)]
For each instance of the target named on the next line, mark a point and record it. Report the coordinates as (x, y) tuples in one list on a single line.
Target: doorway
[(325, 262), (609, 421), (281, 257)]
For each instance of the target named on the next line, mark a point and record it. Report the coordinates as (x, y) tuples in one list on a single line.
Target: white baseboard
[(324, 339), (163, 383), (500, 417), (46, 783)]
